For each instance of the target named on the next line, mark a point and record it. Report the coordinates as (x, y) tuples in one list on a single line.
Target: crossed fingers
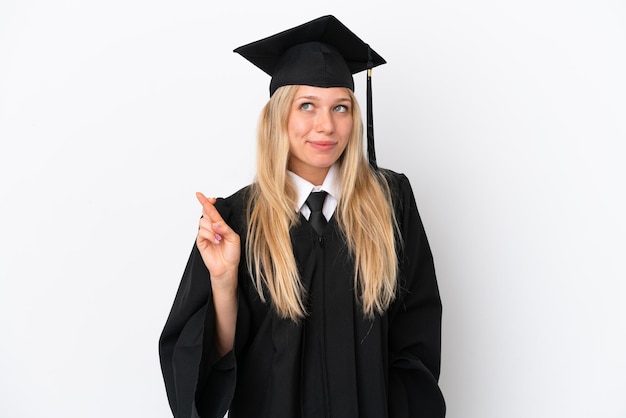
[(211, 220)]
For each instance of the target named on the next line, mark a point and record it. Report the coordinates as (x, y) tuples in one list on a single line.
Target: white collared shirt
[(304, 188)]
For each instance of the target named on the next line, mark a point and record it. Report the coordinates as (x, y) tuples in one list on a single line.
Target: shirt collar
[(304, 187)]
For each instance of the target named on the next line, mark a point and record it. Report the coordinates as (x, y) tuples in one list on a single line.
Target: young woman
[(311, 292)]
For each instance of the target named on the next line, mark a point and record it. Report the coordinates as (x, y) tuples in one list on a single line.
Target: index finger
[(207, 207)]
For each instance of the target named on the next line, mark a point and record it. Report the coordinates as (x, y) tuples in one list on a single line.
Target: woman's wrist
[(225, 283)]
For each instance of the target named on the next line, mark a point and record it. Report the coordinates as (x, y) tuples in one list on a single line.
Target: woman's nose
[(324, 122)]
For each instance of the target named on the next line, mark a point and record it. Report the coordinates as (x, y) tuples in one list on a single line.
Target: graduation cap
[(319, 53)]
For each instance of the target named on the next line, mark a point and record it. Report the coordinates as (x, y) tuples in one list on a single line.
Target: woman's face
[(319, 126)]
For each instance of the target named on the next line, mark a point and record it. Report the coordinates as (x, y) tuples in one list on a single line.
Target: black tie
[(315, 201)]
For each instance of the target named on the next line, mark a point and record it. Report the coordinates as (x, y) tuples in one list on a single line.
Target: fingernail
[(218, 237)]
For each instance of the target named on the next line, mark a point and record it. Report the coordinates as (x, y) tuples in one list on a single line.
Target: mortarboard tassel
[(371, 152)]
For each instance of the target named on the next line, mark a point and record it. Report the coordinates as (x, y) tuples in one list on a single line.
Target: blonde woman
[(312, 292)]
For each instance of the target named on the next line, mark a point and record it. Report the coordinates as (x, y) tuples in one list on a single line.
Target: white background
[(508, 117)]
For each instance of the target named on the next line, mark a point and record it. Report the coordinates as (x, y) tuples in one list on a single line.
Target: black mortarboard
[(320, 53)]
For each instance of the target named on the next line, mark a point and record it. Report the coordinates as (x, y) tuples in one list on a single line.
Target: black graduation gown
[(335, 363)]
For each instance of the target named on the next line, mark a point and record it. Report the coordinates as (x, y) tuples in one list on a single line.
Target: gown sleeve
[(198, 383), (414, 320)]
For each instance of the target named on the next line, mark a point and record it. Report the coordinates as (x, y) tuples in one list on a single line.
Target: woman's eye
[(306, 106), (341, 108)]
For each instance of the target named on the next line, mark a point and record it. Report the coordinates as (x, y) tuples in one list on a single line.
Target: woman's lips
[(322, 145)]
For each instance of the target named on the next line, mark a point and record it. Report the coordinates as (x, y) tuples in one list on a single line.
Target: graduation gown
[(335, 362)]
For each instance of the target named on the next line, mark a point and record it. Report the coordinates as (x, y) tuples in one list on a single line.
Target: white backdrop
[(508, 117)]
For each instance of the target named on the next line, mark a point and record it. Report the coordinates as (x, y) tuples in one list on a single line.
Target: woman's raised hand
[(219, 245), (220, 248)]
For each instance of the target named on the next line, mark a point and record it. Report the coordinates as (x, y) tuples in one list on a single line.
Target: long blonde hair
[(364, 215)]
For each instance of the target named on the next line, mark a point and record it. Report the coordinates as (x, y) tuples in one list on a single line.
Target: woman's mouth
[(323, 145)]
